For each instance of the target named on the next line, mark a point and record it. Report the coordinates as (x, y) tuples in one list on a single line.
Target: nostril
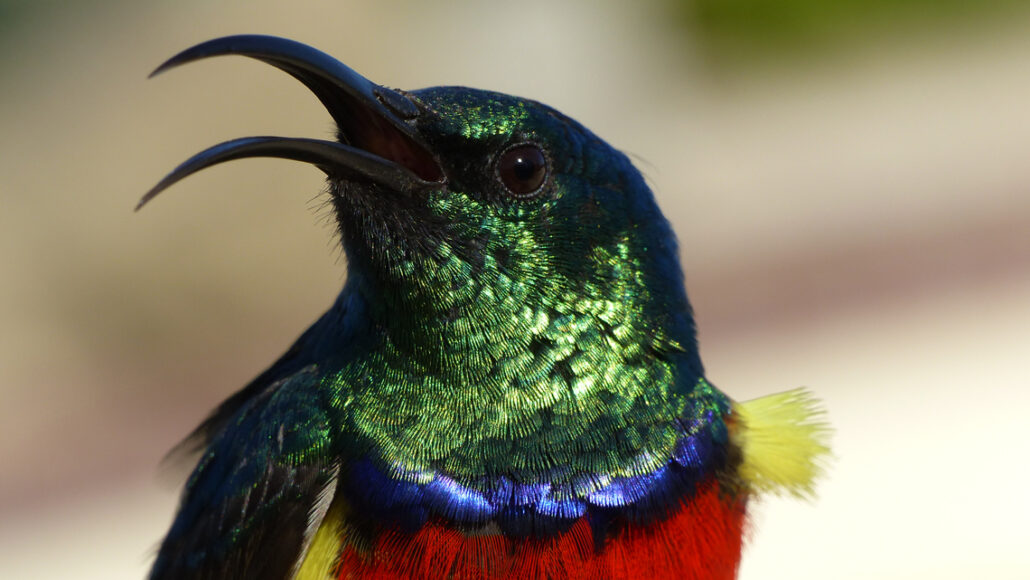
[(396, 102)]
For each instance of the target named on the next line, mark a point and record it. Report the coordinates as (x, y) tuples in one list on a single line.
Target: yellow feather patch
[(784, 440), (324, 552)]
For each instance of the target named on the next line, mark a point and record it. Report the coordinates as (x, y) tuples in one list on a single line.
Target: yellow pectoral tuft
[(324, 552), (783, 438)]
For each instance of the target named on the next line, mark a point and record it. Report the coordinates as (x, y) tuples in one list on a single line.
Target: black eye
[(522, 169)]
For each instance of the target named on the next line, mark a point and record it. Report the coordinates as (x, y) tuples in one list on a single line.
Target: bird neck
[(508, 371), (460, 311)]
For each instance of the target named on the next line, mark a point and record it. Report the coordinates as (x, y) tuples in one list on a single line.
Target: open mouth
[(378, 140)]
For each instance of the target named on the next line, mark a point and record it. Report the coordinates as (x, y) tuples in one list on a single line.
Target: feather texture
[(784, 440), (700, 540)]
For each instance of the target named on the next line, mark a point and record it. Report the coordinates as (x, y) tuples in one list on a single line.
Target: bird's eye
[(522, 169)]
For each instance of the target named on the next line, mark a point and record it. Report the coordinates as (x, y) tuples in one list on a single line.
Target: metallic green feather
[(523, 338)]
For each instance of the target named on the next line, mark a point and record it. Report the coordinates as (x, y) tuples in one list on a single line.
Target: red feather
[(701, 541)]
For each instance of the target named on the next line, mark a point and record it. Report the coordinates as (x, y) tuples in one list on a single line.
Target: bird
[(508, 385)]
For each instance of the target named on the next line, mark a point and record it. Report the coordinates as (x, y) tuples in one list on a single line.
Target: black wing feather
[(305, 351), (252, 501)]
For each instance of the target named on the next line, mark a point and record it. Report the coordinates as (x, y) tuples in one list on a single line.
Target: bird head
[(472, 218)]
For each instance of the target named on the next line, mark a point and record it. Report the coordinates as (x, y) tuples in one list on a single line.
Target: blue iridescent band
[(409, 499)]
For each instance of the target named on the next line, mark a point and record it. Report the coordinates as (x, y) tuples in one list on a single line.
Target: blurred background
[(850, 181)]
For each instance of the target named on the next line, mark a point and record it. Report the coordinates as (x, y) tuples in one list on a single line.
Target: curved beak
[(378, 140)]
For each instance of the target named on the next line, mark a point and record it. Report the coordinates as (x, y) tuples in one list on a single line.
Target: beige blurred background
[(851, 189)]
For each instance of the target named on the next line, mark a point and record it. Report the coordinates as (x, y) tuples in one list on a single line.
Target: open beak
[(378, 140)]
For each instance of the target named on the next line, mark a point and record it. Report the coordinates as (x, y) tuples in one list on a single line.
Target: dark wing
[(259, 492), (308, 349), (296, 358)]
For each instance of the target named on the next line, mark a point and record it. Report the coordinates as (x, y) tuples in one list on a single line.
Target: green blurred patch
[(750, 30), (20, 19), (12, 13)]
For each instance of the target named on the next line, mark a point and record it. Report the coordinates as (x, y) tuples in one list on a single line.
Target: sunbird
[(508, 386)]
